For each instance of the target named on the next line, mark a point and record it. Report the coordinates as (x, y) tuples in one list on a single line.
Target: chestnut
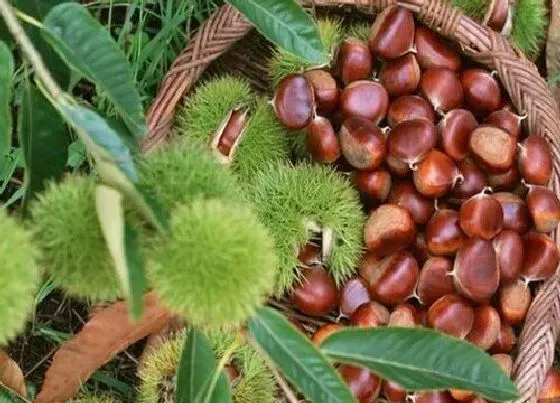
[(442, 88), (550, 390), (370, 314), (506, 340), (473, 181), (409, 107), (436, 175), (541, 256), (354, 61), (325, 90), (433, 397), (443, 233), (506, 120), (363, 383), (452, 315), (475, 270), (481, 216), (544, 208), (405, 194), (325, 331), (316, 294), (481, 90), (354, 293), (363, 144), (232, 374), (393, 392), (389, 228), (411, 140), (435, 280), (419, 248), (392, 33), (309, 254), (514, 301), (506, 181), (231, 133), (455, 130), (403, 315), (486, 327), (509, 252), (400, 76), (397, 167), (515, 212), (535, 160), (492, 148), (321, 141), (366, 99), (374, 186), (432, 50), (497, 14), (461, 395), (293, 102), (505, 362), (394, 279), (367, 266)]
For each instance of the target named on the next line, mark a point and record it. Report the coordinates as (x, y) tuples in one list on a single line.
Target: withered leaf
[(11, 376)]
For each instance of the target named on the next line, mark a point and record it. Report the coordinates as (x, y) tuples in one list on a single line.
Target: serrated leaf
[(419, 359), (299, 360), (122, 243), (44, 141), (88, 48), (198, 380), (287, 25), (6, 79)]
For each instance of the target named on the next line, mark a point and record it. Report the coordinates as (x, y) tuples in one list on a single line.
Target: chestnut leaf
[(6, 79), (420, 359)]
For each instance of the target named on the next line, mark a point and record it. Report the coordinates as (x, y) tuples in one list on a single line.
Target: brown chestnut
[(367, 266), (310, 254), (325, 331), (432, 50), (505, 362), (321, 141), (409, 107), (452, 315), (535, 160), (366, 99), (461, 395), (481, 216), (405, 194), (363, 144), (506, 181), (481, 90), (325, 90), (544, 208), (506, 120), (436, 175), (370, 314), (397, 167), (541, 256), (374, 186), (411, 140), (433, 397), (354, 61), (419, 248), (506, 340), (403, 315), (492, 148), (392, 33), (443, 233), (394, 279), (497, 14), (293, 102), (514, 301), (393, 392), (363, 383), (473, 181), (316, 294), (389, 228), (455, 130), (435, 280), (550, 390), (354, 293), (400, 76), (231, 133), (509, 252), (515, 211), (486, 327), (475, 271), (442, 88)]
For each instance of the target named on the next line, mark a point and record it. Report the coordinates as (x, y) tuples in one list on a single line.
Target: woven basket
[(217, 39)]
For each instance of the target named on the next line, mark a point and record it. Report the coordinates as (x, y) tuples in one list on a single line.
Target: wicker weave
[(521, 79)]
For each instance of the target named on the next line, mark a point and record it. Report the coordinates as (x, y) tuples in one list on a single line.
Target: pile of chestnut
[(460, 214)]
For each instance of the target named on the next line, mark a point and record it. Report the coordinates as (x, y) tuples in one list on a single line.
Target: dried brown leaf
[(107, 333), (553, 40), (11, 376)]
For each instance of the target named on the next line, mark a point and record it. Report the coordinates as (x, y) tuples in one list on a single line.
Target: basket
[(218, 38)]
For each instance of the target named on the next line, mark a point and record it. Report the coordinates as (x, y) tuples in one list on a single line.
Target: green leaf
[(419, 358), (299, 360), (199, 379), (44, 140), (6, 79), (88, 48), (287, 25), (123, 246)]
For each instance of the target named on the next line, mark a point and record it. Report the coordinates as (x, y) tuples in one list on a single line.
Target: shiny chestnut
[(454, 131), (436, 175), (481, 216), (370, 314), (354, 293), (473, 181), (405, 194), (363, 383), (486, 327), (392, 33), (443, 233), (514, 301), (374, 186), (509, 249), (452, 315), (535, 160), (362, 143), (394, 279), (506, 340), (515, 212), (325, 331), (317, 294), (506, 181), (400, 76), (321, 141), (482, 91), (366, 99), (435, 280), (293, 102), (403, 315), (541, 256), (544, 208), (409, 107), (411, 140), (507, 120), (492, 148), (432, 50), (354, 61), (442, 88), (325, 90), (389, 228)]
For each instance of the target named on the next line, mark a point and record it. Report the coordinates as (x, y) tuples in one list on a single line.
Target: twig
[(290, 395)]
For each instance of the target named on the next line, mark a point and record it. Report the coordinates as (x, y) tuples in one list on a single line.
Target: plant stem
[(28, 19), (29, 50)]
